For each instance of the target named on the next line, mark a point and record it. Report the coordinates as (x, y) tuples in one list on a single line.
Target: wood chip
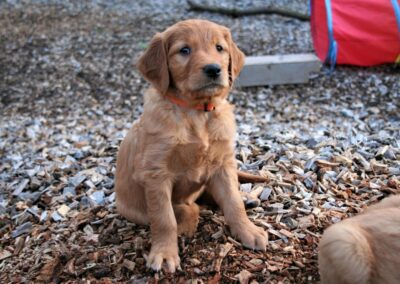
[(5, 254), (20, 187), (244, 276), (222, 252), (63, 210), (286, 233), (130, 265), (324, 163)]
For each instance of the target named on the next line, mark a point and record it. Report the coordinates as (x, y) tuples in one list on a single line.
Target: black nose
[(212, 70)]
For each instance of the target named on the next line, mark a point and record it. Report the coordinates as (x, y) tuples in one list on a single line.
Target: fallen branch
[(250, 178), (247, 11)]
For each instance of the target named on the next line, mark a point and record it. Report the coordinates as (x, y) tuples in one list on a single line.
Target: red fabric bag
[(356, 32)]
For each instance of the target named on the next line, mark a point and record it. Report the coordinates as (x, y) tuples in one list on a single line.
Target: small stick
[(222, 252), (250, 178)]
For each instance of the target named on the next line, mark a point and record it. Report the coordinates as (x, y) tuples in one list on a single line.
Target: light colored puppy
[(363, 249), (183, 144)]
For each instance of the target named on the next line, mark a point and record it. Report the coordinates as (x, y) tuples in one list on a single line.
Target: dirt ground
[(69, 92)]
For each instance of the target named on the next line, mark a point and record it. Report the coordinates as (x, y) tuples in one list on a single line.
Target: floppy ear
[(153, 64), (236, 59)]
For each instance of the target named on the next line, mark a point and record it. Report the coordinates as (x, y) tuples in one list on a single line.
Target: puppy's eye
[(219, 47), (185, 50)]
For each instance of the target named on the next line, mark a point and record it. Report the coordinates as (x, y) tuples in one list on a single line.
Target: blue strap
[(396, 8), (333, 47)]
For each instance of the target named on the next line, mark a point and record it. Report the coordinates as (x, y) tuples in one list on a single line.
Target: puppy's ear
[(236, 59), (153, 64)]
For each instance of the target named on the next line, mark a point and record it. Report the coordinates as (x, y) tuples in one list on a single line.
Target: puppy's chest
[(195, 154), (199, 155)]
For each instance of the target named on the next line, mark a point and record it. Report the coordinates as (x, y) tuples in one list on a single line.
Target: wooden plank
[(278, 69)]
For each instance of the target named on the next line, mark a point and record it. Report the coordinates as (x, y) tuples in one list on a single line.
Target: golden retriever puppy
[(365, 248), (183, 144)]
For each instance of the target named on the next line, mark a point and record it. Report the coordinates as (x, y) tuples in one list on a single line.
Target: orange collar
[(205, 107)]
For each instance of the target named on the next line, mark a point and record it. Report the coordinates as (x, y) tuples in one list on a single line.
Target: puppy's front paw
[(160, 253), (251, 236)]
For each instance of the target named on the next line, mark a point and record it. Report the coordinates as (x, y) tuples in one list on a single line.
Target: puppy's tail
[(345, 255)]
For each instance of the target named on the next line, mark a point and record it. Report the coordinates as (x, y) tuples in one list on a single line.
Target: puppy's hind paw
[(187, 217)]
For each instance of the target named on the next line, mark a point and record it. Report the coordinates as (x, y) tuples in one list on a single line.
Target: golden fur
[(363, 249), (173, 154)]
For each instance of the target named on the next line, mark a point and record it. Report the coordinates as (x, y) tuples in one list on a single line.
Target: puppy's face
[(197, 58)]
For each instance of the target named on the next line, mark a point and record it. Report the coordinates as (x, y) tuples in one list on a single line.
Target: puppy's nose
[(212, 70)]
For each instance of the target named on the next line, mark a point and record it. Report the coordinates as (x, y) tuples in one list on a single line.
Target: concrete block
[(278, 69)]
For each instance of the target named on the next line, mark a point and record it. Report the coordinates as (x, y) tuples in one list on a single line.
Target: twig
[(250, 178), (222, 252), (247, 11)]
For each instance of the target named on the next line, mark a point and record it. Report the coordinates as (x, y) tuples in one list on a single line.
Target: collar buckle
[(208, 107)]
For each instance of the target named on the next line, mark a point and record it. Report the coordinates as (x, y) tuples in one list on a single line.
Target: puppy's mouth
[(210, 88)]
